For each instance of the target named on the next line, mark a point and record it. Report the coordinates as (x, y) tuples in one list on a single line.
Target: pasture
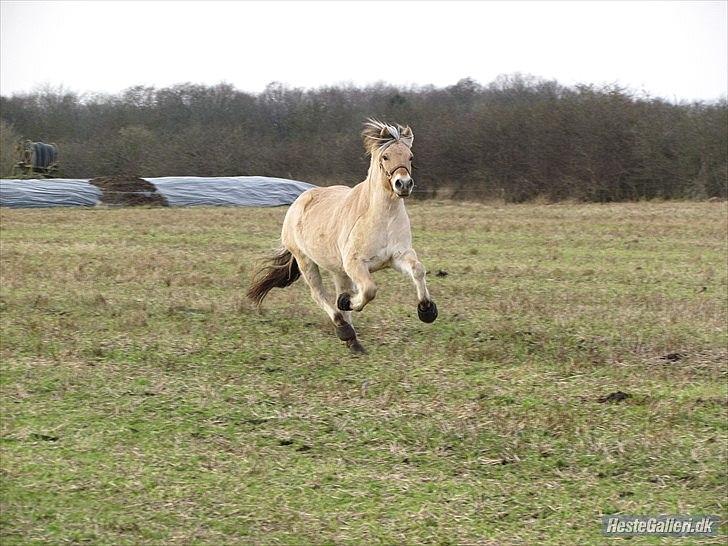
[(144, 401)]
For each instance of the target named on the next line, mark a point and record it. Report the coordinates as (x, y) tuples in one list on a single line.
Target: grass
[(145, 402)]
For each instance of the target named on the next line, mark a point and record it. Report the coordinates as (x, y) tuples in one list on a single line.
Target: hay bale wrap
[(58, 192), (177, 191), (247, 191)]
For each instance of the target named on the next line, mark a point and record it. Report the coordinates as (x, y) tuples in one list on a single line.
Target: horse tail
[(279, 271)]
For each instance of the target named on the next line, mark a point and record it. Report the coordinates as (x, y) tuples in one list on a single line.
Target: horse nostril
[(398, 184)]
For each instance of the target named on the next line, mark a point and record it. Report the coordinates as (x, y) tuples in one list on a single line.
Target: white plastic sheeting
[(180, 191), (253, 191), (56, 192)]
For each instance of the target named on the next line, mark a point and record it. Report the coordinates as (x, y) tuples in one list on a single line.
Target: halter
[(389, 174)]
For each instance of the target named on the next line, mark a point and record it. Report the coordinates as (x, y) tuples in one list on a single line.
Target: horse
[(351, 233)]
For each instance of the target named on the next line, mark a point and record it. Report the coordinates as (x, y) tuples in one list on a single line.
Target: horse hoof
[(355, 347), (427, 311), (345, 332), (343, 302)]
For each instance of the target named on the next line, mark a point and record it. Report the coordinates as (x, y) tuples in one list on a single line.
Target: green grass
[(145, 402)]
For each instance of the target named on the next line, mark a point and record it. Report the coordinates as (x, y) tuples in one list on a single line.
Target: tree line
[(518, 138)]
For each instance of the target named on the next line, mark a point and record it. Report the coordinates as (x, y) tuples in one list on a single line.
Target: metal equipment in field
[(36, 159)]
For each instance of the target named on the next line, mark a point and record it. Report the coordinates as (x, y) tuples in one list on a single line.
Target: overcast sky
[(676, 50)]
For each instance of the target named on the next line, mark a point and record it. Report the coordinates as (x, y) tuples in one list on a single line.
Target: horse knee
[(418, 271), (369, 292)]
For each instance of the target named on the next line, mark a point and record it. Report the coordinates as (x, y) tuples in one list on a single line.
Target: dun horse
[(352, 232)]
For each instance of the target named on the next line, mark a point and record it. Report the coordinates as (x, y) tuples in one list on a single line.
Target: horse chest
[(381, 248), (380, 260)]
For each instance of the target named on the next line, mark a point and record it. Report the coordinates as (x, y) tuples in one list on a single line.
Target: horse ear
[(408, 135)]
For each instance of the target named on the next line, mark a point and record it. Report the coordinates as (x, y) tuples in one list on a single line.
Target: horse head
[(390, 147)]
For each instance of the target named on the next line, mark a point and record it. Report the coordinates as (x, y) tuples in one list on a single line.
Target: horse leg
[(406, 262), (344, 285), (312, 276), (359, 273)]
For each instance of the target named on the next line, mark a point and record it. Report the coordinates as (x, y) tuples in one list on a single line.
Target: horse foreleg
[(406, 262), (359, 273)]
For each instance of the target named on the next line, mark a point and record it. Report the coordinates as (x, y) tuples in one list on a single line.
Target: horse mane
[(378, 135)]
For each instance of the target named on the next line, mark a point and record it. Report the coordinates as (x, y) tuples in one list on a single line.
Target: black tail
[(280, 271)]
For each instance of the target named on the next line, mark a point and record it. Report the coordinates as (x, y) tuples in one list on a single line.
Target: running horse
[(351, 233)]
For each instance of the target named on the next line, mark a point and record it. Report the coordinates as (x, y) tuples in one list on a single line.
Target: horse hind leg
[(344, 327), (344, 285), (344, 330)]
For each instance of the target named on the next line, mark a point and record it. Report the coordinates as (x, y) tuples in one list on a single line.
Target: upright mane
[(378, 135)]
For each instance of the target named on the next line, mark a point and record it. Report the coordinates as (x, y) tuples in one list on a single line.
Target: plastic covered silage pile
[(176, 191)]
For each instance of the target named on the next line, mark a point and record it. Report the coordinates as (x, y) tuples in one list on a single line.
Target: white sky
[(676, 50)]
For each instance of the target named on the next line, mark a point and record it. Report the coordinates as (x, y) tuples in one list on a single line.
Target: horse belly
[(322, 255), (309, 227)]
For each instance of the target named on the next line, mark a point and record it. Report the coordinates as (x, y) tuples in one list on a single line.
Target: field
[(144, 401)]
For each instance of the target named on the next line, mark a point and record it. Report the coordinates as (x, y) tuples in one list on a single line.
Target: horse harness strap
[(390, 173)]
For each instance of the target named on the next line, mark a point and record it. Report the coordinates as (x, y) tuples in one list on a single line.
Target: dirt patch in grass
[(128, 191)]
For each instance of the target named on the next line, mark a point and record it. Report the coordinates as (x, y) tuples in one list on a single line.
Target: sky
[(674, 50)]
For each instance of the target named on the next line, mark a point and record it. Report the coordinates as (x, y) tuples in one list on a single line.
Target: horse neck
[(380, 202)]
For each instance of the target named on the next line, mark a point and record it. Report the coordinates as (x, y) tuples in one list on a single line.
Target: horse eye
[(412, 157), (385, 158)]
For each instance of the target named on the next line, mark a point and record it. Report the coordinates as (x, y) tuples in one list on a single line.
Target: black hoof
[(343, 302), (345, 332), (427, 311), (355, 347)]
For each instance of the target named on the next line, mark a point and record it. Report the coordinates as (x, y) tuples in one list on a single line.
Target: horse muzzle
[(403, 186)]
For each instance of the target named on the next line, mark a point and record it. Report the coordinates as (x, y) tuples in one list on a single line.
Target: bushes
[(9, 138), (518, 138)]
